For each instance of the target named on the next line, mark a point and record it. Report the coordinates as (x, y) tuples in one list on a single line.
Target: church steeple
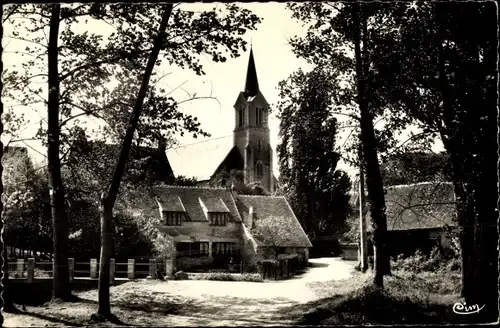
[(251, 131), (251, 84)]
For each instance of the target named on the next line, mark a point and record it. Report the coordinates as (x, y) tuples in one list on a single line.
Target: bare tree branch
[(26, 40)]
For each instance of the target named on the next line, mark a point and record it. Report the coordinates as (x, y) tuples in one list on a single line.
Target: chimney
[(232, 188), (250, 218)]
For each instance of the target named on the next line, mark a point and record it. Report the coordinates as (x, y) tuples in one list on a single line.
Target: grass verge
[(407, 298)]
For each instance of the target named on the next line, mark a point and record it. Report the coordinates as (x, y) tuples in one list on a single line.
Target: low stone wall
[(350, 252)]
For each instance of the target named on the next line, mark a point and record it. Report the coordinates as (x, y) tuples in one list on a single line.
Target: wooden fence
[(30, 270), (282, 268)]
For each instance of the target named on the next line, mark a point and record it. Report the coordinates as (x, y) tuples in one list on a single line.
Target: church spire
[(251, 84)]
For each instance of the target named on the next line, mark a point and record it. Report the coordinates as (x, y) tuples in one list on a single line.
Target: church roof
[(251, 83), (100, 158), (199, 160)]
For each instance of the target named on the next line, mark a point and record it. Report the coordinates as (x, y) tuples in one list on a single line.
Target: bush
[(436, 261), (224, 276), (193, 263)]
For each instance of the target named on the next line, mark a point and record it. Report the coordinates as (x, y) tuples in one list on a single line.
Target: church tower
[(251, 131)]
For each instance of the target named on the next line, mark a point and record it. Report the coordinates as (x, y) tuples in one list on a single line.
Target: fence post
[(112, 268), (131, 268), (168, 268), (20, 268), (31, 269), (152, 267), (93, 268), (71, 268)]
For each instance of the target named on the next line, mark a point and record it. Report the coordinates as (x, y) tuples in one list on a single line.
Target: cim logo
[(460, 308)]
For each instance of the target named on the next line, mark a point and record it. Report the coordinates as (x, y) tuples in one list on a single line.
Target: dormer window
[(173, 218), (218, 219)]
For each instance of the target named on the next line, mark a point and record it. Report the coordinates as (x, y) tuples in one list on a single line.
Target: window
[(223, 248), (191, 249), (258, 116), (259, 145), (241, 116), (259, 169), (173, 218), (218, 219), (204, 248)]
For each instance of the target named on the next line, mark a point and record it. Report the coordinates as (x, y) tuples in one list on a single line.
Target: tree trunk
[(484, 174), (104, 265), (464, 216), (362, 219), (486, 215), (108, 199), (369, 145), (61, 286)]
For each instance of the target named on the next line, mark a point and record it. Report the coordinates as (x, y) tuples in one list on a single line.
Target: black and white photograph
[(249, 163)]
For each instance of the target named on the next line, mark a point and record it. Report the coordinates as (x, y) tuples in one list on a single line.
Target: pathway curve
[(196, 302)]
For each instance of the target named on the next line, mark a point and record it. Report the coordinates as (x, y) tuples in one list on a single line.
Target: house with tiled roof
[(248, 150), (220, 224), (419, 216)]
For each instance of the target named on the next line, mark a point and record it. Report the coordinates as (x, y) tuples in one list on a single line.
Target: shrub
[(42, 274), (193, 263), (224, 276), (436, 261)]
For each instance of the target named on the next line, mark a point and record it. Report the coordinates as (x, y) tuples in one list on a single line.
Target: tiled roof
[(199, 160), (147, 162), (277, 208), (420, 206), (171, 203), (213, 198), (214, 206)]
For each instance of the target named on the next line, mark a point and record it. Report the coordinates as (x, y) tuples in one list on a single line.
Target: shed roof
[(427, 205), (275, 208)]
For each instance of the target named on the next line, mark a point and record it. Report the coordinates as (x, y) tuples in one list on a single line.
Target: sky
[(274, 62)]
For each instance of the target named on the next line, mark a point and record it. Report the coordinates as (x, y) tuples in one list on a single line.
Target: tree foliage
[(429, 69), (272, 232), (234, 180), (26, 212), (307, 158), (415, 167), (86, 63), (93, 62), (446, 79)]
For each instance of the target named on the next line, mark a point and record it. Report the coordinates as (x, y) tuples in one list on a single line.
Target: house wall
[(203, 231), (408, 241)]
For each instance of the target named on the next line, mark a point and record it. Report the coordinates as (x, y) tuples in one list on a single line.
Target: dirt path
[(193, 302)]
